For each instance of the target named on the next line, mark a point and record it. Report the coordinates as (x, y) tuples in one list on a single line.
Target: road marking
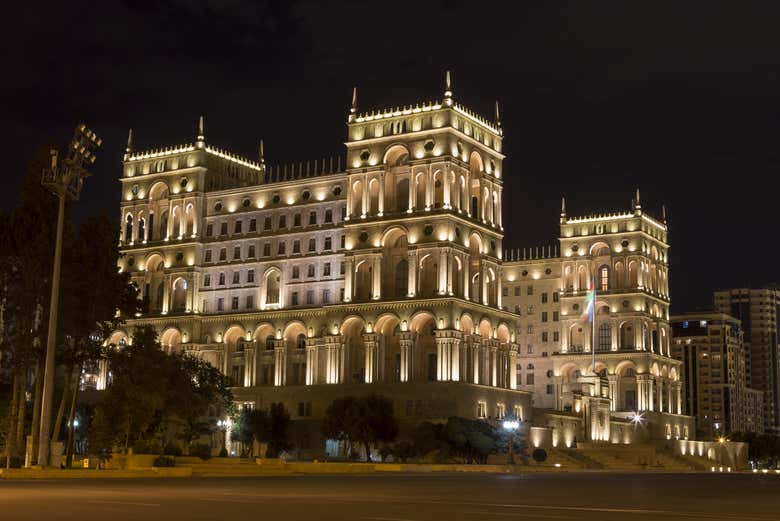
[(131, 503)]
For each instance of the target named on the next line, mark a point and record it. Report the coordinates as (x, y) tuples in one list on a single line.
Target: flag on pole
[(590, 303)]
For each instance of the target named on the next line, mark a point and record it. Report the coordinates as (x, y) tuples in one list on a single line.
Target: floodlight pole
[(65, 181)]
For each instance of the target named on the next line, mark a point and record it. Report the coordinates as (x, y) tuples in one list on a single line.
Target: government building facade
[(384, 272)]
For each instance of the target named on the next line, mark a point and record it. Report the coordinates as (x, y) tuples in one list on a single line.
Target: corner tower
[(423, 215)]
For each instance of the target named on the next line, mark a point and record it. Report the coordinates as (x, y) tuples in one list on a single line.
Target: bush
[(147, 447), (172, 449), (223, 453), (200, 450), (164, 461)]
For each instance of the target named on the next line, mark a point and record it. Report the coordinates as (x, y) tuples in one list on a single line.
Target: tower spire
[(663, 213), (261, 153), (129, 147), (353, 108), (201, 140), (498, 117), (448, 88), (637, 204), (563, 210)]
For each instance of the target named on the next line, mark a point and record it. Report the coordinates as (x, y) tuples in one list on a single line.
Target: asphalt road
[(571, 496)]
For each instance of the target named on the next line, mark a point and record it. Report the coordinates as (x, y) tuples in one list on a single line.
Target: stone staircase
[(582, 459)]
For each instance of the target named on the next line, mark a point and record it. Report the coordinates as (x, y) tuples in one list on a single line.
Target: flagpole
[(593, 329)]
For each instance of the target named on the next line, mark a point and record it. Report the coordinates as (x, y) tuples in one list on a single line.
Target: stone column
[(513, 367), (381, 202), (450, 268), (249, 373), (349, 200), (371, 370), (349, 277), (166, 294), (483, 282), (280, 363), (443, 355), (476, 347), (494, 364), (466, 277), (406, 344), (499, 220), (412, 264), (364, 206), (669, 402), (412, 192), (499, 298), (613, 391), (641, 392), (429, 189), (333, 360), (442, 271), (659, 382), (311, 360), (376, 284), (678, 392)]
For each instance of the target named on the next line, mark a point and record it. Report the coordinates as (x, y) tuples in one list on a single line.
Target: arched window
[(401, 278), (129, 228), (604, 278), (300, 342), (272, 287), (605, 337), (269, 342), (141, 229)]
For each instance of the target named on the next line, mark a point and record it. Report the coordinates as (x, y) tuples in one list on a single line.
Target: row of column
[(489, 363), (454, 195), (184, 218)]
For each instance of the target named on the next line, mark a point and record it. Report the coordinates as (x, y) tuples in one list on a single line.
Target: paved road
[(571, 496)]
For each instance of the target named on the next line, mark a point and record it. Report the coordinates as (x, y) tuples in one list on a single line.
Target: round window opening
[(135, 189), (305, 195), (246, 203), (276, 199), (428, 229), (575, 248), (336, 190), (131, 261), (575, 307), (429, 145), (525, 273), (547, 271), (624, 243), (625, 303), (364, 155), (218, 207), (183, 182), (363, 236)]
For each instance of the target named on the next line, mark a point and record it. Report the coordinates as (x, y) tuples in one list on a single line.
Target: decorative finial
[(448, 87), (262, 155), (201, 141), (637, 198), (353, 108), (563, 210), (129, 147), (663, 212), (498, 116)]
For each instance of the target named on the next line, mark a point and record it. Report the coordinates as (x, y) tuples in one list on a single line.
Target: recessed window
[(305, 195), (337, 191), (364, 155), (183, 182), (276, 199), (246, 203), (218, 207), (429, 145)]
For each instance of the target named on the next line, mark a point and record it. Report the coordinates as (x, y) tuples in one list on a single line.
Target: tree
[(267, 426), (367, 420), (156, 396)]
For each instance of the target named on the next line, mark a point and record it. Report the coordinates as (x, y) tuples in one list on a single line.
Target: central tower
[(423, 215)]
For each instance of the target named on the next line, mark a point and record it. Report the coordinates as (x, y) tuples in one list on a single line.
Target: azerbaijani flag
[(590, 302)]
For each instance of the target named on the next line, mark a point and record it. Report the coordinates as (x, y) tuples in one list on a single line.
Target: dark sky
[(679, 99)]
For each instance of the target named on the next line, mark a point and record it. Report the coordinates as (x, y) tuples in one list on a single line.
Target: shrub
[(172, 449), (200, 450), (223, 453), (164, 461), (147, 447)]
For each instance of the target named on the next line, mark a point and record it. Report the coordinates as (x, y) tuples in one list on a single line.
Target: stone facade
[(386, 273)]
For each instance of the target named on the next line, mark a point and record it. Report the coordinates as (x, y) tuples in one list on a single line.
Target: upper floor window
[(236, 252), (252, 225), (209, 230), (267, 249), (267, 224), (604, 278), (223, 254), (296, 246), (223, 228), (238, 226), (250, 276), (296, 220), (312, 218), (282, 221), (312, 244), (207, 256), (251, 253), (327, 243), (328, 216), (310, 271), (282, 248)]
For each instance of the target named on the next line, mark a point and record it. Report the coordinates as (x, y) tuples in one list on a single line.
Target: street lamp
[(65, 179), (511, 426)]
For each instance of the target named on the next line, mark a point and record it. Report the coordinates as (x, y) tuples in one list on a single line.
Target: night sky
[(678, 99)]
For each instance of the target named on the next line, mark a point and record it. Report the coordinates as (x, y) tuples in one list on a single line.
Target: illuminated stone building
[(759, 311), (711, 348), (626, 254), (315, 280), (385, 273)]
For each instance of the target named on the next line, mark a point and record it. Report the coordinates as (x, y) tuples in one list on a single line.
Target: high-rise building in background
[(711, 348), (759, 311)]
